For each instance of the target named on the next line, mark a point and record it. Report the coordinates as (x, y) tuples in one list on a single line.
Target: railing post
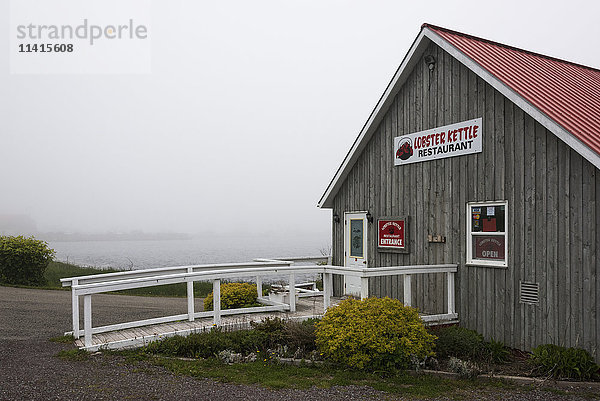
[(451, 305), (259, 289), (326, 291), (364, 287), (292, 287), (217, 301), (87, 320), (75, 308), (407, 290), (190, 296)]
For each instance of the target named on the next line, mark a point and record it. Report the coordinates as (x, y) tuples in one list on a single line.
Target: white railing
[(155, 272), (86, 286)]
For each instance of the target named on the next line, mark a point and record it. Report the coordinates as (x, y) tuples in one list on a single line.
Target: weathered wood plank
[(499, 275), (596, 258), (552, 223), (398, 108), (482, 195), (509, 190), (576, 247), (431, 80), (463, 278), (471, 195), (371, 179), (388, 161), (518, 211), (588, 263), (540, 233), (564, 249), (529, 222)]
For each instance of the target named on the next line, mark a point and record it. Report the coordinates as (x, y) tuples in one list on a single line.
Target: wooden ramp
[(306, 308), (140, 336)]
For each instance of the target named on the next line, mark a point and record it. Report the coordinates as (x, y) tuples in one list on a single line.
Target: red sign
[(489, 247), (391, 234)]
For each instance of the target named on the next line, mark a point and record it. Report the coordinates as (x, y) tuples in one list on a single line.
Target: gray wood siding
[(554, 212)]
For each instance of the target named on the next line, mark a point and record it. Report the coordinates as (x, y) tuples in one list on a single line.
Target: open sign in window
[(487, 234)]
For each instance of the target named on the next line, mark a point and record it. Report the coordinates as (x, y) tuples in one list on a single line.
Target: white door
[(355, 248)]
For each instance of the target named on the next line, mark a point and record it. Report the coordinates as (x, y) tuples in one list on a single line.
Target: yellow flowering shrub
[(234, 295), (375, 333)]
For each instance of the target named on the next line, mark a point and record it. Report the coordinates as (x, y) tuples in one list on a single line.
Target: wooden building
[(485, 156)]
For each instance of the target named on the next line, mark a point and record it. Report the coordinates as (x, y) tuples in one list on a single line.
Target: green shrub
[(269, 334), (234, 295), (375, 333), (464, 369), (497, 351), (561, 362), (208, 344), (301, 335), (273, 328), (459, 342), (23, 261)]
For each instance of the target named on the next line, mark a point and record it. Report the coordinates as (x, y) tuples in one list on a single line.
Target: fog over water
[(248, 111), (192, 251)]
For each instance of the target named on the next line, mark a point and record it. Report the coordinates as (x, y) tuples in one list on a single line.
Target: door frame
[(349, 281)]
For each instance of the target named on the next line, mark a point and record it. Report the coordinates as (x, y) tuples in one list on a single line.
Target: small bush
[(234, 295), (301, 335), (273, 328), (209, 344), (459, 342), (497, 351), (23, 261), (561, 362), (294, 335), (375, 333), (464, 369)]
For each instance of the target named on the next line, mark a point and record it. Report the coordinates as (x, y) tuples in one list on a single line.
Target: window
[(356, 238), (487, 240)]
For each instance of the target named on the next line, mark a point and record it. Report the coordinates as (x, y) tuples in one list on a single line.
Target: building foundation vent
[(529, 292)]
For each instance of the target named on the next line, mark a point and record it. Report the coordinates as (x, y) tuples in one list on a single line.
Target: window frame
[(470, 234), (362, 247)]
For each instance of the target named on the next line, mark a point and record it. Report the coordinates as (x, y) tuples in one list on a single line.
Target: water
[(201, 250)]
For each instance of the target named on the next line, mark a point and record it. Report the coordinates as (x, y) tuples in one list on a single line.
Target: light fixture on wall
[(369, 217), (336, 218), (430, 61)]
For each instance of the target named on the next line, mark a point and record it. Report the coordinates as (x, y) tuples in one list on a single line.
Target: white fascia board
[(409, 61), (564, 135)]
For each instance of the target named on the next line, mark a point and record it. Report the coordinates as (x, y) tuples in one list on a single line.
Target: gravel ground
[(29, 369)]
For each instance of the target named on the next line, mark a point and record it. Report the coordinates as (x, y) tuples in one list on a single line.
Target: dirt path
[(29, 369)]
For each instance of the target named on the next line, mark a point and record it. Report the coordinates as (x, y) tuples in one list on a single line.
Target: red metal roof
[(566, 92)]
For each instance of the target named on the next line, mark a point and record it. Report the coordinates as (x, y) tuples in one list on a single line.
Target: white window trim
[(480, 262)]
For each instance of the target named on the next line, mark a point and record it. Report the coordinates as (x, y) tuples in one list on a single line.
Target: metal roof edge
[(370, 125), (425, 35), (546, 121), (506, 46)]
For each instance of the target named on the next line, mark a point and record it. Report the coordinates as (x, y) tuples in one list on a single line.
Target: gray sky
[(249, 110)]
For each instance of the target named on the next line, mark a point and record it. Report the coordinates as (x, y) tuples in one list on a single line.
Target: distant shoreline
[(78, 237)]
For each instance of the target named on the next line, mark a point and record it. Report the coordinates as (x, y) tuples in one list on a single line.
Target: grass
[(277, 376), (74, 354), (57, 270), (274, 375), (68, 339)]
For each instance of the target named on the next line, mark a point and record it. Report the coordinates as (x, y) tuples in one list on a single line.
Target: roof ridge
[(426, 25)]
